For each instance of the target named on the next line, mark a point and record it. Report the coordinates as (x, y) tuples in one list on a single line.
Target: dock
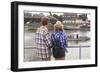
[(79, 39)]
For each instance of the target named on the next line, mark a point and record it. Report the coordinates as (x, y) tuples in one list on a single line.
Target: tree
[(50, 13), (56, 16), (60, 18), (83, 17)]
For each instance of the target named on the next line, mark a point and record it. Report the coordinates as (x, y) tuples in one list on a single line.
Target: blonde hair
[(58, 26)]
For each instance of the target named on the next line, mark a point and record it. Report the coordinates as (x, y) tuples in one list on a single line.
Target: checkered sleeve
[(47, 38)]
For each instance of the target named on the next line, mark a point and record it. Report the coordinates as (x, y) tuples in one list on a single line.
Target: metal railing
[(80, 48)]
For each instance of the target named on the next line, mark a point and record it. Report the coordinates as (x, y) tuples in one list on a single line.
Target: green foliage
[(83, 17)]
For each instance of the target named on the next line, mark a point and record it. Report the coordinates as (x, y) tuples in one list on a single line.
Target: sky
[(44, 13)]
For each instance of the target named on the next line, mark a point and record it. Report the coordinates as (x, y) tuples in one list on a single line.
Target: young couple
[(57, 41)]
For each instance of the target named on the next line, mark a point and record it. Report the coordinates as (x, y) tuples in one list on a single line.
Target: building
[(70, 16)]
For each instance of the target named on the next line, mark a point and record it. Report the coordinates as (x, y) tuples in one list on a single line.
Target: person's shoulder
[(43, 28), (53, 33), (64, 33)]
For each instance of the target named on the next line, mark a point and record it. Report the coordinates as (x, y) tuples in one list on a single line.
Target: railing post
[(80, 52)]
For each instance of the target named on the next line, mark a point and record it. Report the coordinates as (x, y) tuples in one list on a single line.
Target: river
[(74, 53)]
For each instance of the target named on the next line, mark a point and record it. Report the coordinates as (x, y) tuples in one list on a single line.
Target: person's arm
[(52, 41), (66, 43), (47, 38)]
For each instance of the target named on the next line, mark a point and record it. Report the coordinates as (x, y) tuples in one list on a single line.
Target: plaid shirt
[(43, 42)]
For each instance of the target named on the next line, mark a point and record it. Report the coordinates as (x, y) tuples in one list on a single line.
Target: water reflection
[(30, 37)]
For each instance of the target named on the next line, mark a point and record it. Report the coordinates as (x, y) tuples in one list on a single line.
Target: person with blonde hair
[(59, 41)]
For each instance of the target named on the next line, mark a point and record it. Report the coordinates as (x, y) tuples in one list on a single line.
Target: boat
[(78, 39)]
